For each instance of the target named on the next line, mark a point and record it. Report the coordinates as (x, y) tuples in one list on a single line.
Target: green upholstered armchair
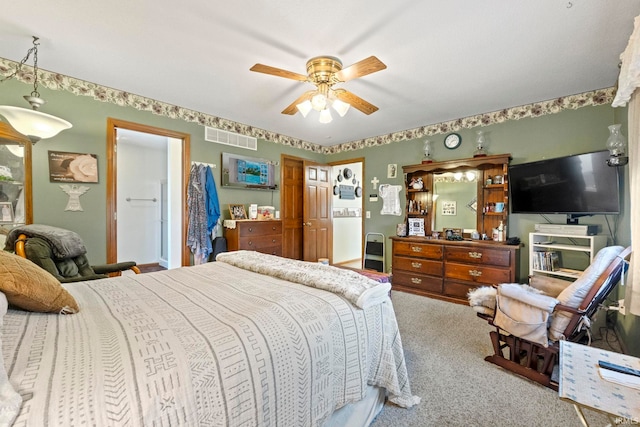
[(61, 253)]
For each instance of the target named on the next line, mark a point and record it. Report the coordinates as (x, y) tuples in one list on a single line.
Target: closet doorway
[(147, 172)]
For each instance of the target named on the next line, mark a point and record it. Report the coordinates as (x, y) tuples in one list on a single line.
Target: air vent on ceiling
[(230, 138)]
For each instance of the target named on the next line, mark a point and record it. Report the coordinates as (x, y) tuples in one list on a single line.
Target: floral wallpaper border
[(55, 81)]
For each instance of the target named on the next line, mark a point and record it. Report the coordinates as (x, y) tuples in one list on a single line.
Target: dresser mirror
[(455, 199)]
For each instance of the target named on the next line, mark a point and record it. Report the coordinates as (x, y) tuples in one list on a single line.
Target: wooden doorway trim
[(112, 231)]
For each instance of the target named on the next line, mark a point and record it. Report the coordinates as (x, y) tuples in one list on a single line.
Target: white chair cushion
[(574, 294), (523, 312)]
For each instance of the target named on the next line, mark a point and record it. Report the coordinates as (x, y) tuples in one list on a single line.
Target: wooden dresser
[(448, 270), (253, 235)]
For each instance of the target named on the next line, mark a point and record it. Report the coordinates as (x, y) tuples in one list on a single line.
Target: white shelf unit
[(559, 244)]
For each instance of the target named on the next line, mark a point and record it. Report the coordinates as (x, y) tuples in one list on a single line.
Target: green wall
[(88, 135), (568, 132)]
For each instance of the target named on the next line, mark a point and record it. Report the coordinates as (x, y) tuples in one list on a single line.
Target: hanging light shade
[(33, 124), (304, 108), (340, 107), (325, 116), (30, 122)]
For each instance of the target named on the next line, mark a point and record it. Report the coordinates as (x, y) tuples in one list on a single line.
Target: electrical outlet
[(368, 214), (621, 308)]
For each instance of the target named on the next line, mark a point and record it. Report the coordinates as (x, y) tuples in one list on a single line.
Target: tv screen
[(581, 184), (247, 172)]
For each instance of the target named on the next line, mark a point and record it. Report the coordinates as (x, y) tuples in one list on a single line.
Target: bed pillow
[(31, 288)]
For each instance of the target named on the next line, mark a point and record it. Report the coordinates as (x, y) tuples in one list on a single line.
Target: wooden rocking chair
[(530, 320)]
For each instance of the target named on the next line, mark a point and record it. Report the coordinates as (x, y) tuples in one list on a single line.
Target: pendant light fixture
[(30, 122)]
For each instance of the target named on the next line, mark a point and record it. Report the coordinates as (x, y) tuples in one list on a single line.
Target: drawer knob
[(416, 280), (476, 255), (250, 229), (273, 240), (475, 273), (273, 228), (416, 248), (250, 243), (416, 264)]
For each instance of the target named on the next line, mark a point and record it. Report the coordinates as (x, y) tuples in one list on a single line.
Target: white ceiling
[(445, 59)]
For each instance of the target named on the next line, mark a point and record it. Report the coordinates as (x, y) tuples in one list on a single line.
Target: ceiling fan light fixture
[(340, 107), (304, 108), (31, 123), (319, 102), (325, 116)]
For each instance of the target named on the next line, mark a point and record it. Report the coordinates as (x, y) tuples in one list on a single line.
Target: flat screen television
[(577, 185), (247, 172)]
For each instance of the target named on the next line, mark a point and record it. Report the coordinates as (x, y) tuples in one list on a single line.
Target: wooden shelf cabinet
[(261, 236), (486, 194), (15, 185), (448, 270)]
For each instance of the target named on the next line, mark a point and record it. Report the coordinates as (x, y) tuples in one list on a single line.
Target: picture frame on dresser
[(237, 212), (416, 226), (6, 213)]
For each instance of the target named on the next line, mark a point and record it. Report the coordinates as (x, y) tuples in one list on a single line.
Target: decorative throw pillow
[(31, 288)]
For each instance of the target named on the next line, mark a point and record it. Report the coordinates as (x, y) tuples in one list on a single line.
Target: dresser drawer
[(417, 265), (459, 290), (254, 243), (422, 250), (417, 281), (259, 228), (486, 256), (271, 250), (476, 273)]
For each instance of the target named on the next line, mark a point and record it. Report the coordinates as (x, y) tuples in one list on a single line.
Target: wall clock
[(452, 141), (348, 173)]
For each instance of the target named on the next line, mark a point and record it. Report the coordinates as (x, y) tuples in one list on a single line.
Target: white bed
[(213, 344)]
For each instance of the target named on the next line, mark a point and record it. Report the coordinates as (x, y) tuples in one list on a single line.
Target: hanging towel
[(212, 204)]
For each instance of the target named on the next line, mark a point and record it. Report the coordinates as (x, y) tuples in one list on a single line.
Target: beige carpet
[(445, 345)]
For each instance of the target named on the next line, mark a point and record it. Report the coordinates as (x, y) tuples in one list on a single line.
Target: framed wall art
[(73, 167), (449, 207), (392, 170)]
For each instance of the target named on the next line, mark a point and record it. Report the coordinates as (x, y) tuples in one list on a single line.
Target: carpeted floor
[(445, 345)]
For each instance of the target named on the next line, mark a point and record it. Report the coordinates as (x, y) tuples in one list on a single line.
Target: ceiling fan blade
[(266, 69), (355, 101), (359, 69), (291, 109)]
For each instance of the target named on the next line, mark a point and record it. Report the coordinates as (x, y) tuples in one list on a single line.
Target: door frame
[(112, 175), (360, 160)]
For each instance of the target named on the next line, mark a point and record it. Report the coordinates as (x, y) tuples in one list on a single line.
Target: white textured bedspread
[(209, 345)]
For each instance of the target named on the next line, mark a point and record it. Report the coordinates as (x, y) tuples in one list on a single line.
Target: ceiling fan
[(325, 72)]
